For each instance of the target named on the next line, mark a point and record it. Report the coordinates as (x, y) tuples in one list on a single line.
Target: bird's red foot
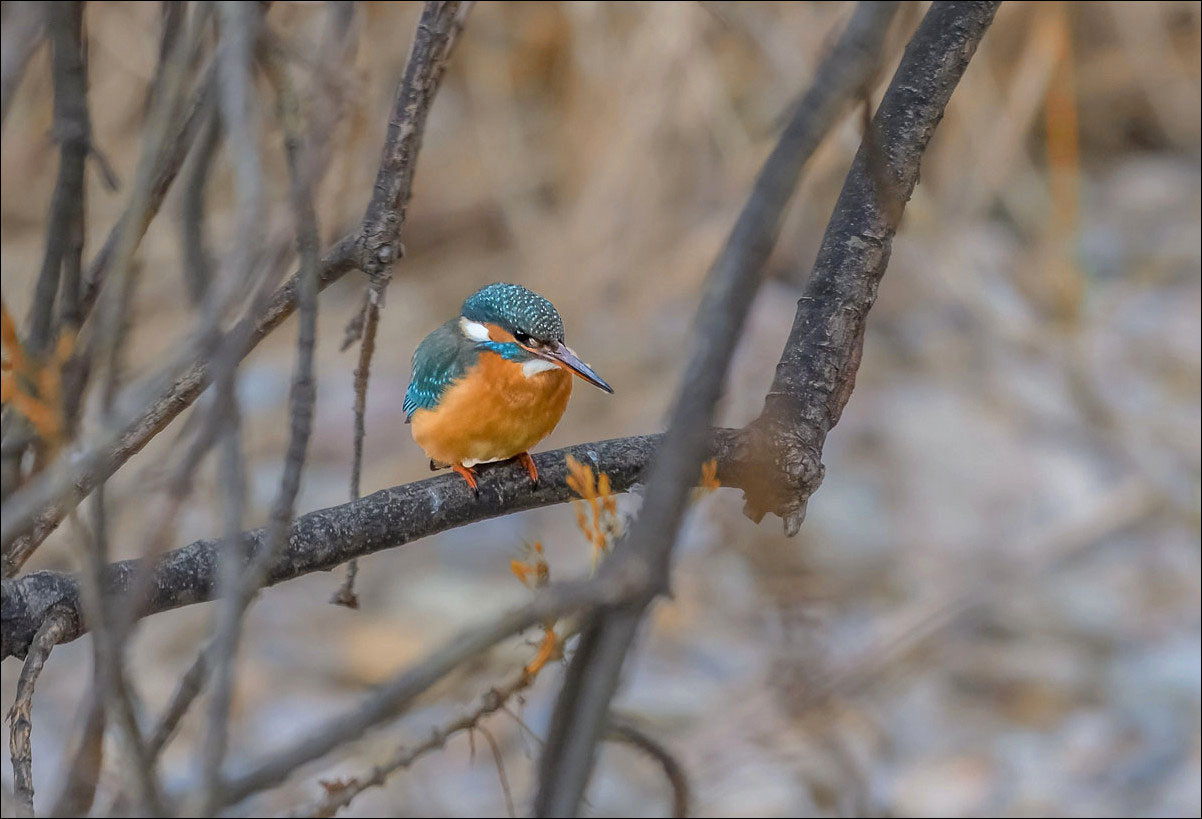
[(468, 474), (525, 460)]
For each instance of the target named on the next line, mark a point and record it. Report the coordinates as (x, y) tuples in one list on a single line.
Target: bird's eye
[(522, 338)]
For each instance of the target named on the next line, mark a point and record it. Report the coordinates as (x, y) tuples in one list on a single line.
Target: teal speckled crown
[(516, 309)]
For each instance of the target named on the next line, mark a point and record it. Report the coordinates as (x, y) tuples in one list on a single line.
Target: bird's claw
[(525, 460), (469, 475)]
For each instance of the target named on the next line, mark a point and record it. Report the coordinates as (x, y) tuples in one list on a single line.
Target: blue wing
[(441, 358)]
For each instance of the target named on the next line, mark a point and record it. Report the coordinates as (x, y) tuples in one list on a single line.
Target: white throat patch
[(535, 366), (473, 329)]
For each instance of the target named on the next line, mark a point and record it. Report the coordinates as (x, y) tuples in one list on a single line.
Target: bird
[(491, 383)]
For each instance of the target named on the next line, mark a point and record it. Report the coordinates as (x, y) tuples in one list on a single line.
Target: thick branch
[(584, 703), (816, 373), (325, 539)]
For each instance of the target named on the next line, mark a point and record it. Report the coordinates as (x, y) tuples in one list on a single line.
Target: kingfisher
[(493, 382)]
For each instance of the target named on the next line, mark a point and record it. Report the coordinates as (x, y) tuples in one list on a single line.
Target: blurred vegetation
[(994, 604)]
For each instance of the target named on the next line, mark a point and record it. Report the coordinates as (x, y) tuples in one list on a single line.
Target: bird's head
[(521, 326)]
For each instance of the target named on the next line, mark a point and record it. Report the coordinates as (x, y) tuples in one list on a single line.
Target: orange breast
[(494, 412)]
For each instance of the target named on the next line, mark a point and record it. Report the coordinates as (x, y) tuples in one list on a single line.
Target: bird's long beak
[(563, 355)]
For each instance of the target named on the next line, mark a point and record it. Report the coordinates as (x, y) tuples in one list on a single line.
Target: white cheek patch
[(473, 329), (535, 366)]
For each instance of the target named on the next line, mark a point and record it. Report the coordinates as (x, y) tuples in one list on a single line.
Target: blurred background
[(993, 606)]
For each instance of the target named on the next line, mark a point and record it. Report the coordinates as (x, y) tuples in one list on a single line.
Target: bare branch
[(340, 794), (185, 693), (345, 596), (437, 31), (37, 510), (246, 583), (196, 262), (20, 718), (584, 703), (240, 27), (549, 603), (327, 538), (817, 370), (72, 129), (79, 789), (624, 730), (33, 513), (21, 38)]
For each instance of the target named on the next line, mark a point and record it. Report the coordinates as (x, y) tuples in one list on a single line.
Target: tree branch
[(783, 461), (582, 710), (327, 538), (625, 730), (385, 216), (37, 510), (72, 129), (22, 28), (20, 716), (813, 382)]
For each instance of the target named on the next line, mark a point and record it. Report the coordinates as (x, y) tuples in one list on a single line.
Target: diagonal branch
[(582, 710), (817, 371)]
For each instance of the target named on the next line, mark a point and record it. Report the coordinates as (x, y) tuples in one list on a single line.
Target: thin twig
[(112, 687), (170, 158), (496, 756), (185, 693), (390, 698), (83, 771), (345, 596), (197, 265), (624, 730), (171, 20), (240, 27), (341, 793), (22, 30), (109, 337), (302, 401), (20, 716), (440, 23)]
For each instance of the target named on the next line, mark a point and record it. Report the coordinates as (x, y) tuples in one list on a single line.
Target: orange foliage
[(534, 572), (34, 388), (597, 512)]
